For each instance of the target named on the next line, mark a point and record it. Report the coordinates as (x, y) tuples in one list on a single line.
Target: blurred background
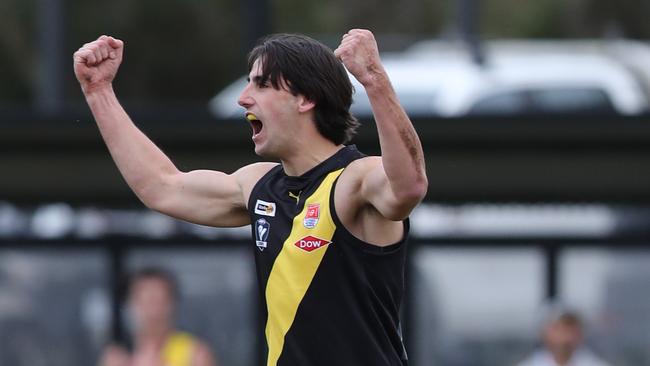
[(535, 125)]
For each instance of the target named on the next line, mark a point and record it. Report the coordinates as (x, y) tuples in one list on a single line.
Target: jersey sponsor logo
[(265, 208), (311, 243), (262, 228), (312, 215)]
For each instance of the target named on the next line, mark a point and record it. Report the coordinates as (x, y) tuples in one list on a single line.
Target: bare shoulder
[(203, 355), (249, 175), (367, 162), (357, 214), (254, 171), (358, 169), (351, 180)]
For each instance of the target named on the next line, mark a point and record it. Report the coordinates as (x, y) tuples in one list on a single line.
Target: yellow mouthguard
[(251, 117)]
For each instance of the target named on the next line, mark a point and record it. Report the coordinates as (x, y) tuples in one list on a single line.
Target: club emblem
[(312, 215), (262, 228)]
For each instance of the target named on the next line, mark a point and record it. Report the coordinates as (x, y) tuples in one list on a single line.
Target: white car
[(435, 78)]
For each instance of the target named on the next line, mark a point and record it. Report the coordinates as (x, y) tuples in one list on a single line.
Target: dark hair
[(309, 68), (153, 273)]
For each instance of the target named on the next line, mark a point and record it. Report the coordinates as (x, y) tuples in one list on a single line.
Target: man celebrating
[(330, 224)]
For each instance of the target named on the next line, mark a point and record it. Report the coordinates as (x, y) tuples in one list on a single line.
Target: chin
[(265, 152), (259, 151)]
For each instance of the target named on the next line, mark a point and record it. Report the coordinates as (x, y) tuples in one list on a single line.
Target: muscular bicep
[(209, 197)]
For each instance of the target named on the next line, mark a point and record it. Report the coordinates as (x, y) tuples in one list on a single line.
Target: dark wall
[(522, 159)]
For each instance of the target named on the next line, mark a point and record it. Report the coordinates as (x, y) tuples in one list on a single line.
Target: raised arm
[(203, 197), (395, 184)]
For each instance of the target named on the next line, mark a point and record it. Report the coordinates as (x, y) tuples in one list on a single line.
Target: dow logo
[(311, 243)]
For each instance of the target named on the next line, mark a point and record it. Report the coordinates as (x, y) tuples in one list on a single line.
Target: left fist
[(359, 53)]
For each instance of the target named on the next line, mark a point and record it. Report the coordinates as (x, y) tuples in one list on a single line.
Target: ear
[(305, 105)]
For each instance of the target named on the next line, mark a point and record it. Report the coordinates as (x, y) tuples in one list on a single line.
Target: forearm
[(142, 164), (401, 149)]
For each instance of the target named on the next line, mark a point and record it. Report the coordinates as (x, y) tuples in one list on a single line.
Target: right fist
[(96, 63)]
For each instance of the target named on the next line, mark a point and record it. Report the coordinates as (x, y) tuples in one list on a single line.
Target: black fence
[(518, 159), (219, 300)]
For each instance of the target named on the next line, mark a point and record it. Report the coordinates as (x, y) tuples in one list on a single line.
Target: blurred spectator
[(562, 338), (152, 296)]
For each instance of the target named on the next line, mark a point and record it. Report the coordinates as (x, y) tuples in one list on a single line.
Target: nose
[(245, 99)]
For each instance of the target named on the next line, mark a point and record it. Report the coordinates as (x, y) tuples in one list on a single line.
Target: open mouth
[(255, 122)]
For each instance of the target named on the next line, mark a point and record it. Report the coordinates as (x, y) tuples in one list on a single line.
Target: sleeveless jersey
[(178, 349), (328, 297)]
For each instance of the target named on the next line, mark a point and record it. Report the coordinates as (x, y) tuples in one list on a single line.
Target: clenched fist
[(359, 53), (97, 62)]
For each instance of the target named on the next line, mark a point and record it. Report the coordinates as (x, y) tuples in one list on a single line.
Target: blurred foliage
[(17, 70), (414, 17), (185, 50), (522, 19), (628, 18), (175, 49), (566, 18)]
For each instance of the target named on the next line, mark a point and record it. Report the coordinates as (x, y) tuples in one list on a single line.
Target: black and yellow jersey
[(329, 298), (178, 349)]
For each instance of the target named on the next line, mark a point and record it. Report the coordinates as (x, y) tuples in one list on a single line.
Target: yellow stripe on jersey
[(178, 349), (294, 268)]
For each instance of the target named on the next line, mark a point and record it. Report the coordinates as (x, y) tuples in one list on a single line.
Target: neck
[(308, 156)]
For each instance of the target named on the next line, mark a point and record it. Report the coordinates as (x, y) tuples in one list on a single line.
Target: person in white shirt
[(562, 338)]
